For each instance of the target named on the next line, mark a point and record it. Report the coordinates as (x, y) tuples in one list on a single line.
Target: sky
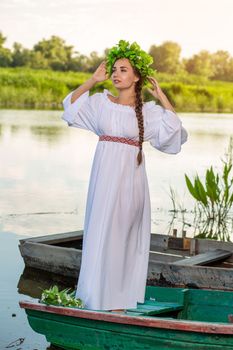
[(94, 25)]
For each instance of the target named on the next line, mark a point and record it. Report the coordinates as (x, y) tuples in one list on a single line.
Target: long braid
[(139, 115)]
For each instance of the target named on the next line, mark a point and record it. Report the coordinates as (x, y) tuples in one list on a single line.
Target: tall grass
[(45, 89)]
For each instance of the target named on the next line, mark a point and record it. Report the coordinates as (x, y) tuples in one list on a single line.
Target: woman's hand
[(156, 92), (160, 95), (101, 73)]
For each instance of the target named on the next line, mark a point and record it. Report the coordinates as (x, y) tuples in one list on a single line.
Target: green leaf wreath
[(138, 58)]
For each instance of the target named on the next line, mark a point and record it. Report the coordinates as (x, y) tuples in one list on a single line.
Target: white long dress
[(117, 225)]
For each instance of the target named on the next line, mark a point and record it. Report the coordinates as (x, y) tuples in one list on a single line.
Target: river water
[(44, 174)]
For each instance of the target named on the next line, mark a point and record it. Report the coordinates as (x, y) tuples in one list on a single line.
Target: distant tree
[(230, 75), (93, 61), (166, 57), (222, 64), (200, 64), (2, 39), (20, 56), (5, 54), (55, 52), (38, 61), (78, 62)]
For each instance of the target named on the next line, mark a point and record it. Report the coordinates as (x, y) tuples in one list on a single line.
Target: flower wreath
[(138, 58)]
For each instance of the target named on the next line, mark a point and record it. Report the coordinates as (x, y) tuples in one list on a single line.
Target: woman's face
[(123, 75)]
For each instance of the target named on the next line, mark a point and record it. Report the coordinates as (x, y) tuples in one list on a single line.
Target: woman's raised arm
[(99, 75)]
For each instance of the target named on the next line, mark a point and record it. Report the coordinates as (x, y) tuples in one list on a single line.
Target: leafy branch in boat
[(53, 296)]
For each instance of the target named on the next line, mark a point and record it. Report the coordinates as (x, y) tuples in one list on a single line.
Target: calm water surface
[(44, 174)]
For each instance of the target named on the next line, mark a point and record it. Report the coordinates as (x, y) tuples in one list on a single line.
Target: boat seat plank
[(205, 258), (156, 308)]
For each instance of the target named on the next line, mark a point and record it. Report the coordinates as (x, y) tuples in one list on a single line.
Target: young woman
[(117, 224)]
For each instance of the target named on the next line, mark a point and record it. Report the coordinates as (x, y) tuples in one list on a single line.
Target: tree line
[(55, 54)]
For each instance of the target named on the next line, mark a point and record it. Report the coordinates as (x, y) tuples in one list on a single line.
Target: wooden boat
[(173, 261), (169, 318)]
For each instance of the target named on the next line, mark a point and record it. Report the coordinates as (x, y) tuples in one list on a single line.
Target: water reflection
[(52, 134), (47, 166), (33, 281), (15, 129)]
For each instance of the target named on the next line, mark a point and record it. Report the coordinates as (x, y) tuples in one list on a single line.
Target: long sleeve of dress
[(83, 113), (164, 129)]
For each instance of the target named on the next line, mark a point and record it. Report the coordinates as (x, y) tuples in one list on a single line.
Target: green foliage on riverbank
[(45, 89)]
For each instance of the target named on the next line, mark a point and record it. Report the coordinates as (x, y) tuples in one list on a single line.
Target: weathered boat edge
[(146, 321), (190, 276), (54, 238)]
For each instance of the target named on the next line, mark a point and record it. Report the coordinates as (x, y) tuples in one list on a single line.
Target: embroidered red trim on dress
[(119, 139)]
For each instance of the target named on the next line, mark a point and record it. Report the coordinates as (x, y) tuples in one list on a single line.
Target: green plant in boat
[(53, 296)]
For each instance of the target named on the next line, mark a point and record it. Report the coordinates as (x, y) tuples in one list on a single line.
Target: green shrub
[(45, 89)]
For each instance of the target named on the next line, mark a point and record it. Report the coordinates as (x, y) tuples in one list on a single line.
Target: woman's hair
[(138, 110)]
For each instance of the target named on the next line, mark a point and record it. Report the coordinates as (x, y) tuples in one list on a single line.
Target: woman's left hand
[(156, 92)]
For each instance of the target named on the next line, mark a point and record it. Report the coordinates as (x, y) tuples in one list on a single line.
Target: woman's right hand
[(101, 73)]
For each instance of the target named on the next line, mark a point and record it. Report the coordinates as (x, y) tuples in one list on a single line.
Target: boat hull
[(89, 330)]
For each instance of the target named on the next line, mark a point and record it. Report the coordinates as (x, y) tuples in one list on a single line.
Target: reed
[(214, 200)]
